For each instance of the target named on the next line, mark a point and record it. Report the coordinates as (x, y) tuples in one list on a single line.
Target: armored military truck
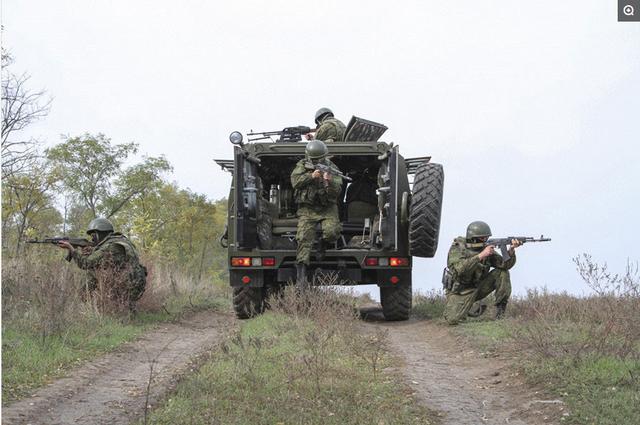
[(390, 213)]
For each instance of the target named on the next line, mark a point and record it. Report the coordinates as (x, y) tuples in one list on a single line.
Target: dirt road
[(461, 384), (112, 389)]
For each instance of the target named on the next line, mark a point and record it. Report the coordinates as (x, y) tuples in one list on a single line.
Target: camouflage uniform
[(316, 204), (119, 253), (473, 279), (331, 130)]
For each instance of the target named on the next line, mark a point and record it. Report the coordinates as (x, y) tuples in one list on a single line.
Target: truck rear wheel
[(247, 301), (396, 302), (426, 206)]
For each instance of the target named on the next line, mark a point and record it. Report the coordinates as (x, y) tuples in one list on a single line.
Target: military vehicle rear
[(390, 213)]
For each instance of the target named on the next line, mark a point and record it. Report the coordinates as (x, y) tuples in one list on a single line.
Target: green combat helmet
[(316, 149), (476, 230), (100, 225), (321, 113)]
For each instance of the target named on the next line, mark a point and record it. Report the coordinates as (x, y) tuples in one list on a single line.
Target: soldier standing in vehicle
[(471, 279), (316, 194), (114, 258), (329, 128)]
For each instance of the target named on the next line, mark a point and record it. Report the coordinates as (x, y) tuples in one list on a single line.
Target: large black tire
[(396, 302), (426, 207), (247, 301)]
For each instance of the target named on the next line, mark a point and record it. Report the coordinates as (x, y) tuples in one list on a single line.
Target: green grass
[(487, 334), (597, 387), (428, 306), (30, 361), (283, 370)]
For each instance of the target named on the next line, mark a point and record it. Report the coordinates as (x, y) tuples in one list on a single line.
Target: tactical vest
[(314, 195)]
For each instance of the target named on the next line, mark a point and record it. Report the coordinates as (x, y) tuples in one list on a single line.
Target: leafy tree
[(181, 227), (28, 197), (92, 170)]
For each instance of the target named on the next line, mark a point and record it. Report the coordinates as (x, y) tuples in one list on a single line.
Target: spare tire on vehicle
[(426, 207)]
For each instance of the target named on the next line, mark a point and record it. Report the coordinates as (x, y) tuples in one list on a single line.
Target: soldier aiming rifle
[(316, 192), (474, 270)]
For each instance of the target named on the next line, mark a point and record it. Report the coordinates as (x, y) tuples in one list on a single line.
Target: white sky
[(533, 108)]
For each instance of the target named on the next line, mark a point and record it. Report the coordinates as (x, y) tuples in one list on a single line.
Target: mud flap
[(250, 278), (386, 277)]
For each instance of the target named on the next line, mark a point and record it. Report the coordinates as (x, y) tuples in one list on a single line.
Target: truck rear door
[(245, 179), (395, 184), (389, 187)]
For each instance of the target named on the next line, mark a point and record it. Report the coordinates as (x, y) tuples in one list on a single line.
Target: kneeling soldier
[(113, 258), (470, 264)]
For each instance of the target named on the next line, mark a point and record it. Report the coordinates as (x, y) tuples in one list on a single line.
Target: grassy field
[(303, 362), (49, 325), (585, 351)]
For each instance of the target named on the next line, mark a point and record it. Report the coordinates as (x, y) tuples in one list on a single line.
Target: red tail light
[(371, 261), (394, 279), (246, 279), (398, 261), (240, 261), (268, 261)]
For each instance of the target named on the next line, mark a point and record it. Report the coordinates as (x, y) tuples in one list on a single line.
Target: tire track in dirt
[(112, 388), (459, 382)]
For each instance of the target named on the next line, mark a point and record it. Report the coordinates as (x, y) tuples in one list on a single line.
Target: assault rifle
[(75, 242), (324, 168), (288, 134), (502, 243)]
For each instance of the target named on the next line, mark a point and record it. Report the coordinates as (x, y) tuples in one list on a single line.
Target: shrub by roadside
[(302, 362), (585, 350), (429, 305), (49, 323)]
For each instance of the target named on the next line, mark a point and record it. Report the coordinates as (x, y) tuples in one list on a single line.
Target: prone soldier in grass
[(112, 258), (316, 193), (475, 270)]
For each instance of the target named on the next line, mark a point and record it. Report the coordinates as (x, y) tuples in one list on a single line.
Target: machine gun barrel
[(288, 134)]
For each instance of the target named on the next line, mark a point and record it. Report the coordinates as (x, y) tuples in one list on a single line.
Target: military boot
[(301, 275), (500, 310)]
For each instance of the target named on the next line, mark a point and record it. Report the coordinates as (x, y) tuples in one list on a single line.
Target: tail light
[(240, 261), (398, 261), (268, 261), (371, 261)]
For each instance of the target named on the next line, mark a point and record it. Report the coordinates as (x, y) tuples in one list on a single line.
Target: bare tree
[(21, 107)]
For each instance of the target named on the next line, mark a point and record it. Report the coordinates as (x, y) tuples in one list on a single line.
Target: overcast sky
[(533, 108)]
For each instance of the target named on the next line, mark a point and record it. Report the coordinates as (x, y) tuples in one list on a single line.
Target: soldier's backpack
[(138, 273)]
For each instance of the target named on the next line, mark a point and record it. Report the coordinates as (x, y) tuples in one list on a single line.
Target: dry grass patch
[(302, 362)]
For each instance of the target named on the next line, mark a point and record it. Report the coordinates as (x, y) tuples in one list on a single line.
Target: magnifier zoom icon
[(628, 10)]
